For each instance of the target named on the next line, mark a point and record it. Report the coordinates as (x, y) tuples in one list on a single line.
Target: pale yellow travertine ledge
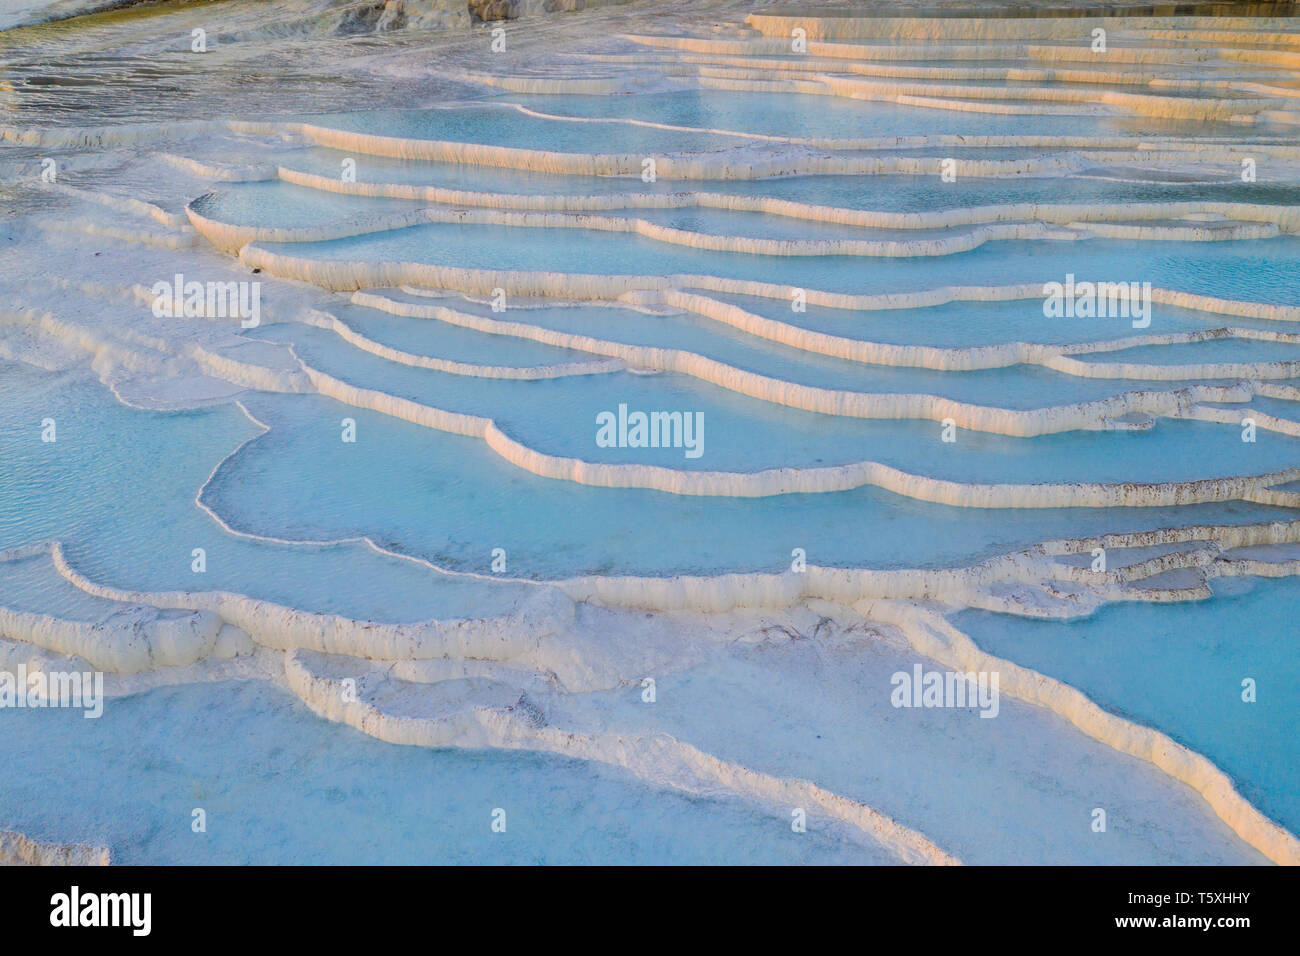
[(925, 298), (955, 96), (1010, 50), (1016, 221), (998, 355), (342, 275), (844, 477), (1285, 218), (904, 27), (131, 134), (1096, 414), (729, 164), (526, 373), (749, 484), (681, 63), (1034, 566), (350, 276), (231, 238)]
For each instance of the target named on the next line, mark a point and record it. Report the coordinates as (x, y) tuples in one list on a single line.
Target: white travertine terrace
[(901, 598), (660, 759), (134, 643), (932, 635), (19, 850)]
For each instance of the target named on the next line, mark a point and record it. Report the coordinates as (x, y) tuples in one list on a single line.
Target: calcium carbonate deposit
[(648, 432)]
